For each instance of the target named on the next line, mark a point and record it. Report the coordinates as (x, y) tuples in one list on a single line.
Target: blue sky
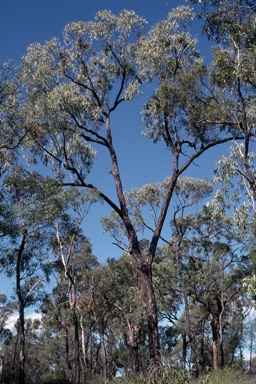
[(23, 22)]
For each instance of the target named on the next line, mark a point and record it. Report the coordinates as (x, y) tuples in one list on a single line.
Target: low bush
[(226, 376), (170, 375)]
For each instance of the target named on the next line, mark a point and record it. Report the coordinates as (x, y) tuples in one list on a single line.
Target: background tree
[(218, 273), (31, 205), (233, 72), (11, 116), (73, 264), (74, 252), (188, 194)]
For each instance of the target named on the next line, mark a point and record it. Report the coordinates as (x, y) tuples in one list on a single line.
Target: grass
[(170, 375), (174, 376)]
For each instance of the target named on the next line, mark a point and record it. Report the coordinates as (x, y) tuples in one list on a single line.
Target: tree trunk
[(202, 345), (145, 272), (72, 306), (69, 367), (251, 335), (136, 361), (90, 357), (13, 372), (184, 349), (214, 327), (215, 353), (134, 338), (21, 329), (77, 357), (134, 346), (103, 354), (83, 356), (22, 357), (187, 312), (135, 342), (221, 308), (221, 354), (144, 267)]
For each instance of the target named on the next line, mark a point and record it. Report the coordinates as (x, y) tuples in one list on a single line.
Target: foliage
[(174, 376), (226, 376)]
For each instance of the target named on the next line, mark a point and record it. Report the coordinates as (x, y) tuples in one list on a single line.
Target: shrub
[(225, 376), (172, 375)]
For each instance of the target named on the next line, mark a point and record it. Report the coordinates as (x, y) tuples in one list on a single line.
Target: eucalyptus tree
[(74, 87), (11, 115), (36, 362), (73, 261), (166, 286), (70, 247), (217, 17), (108, 287), (249, 336), (234, 190), (124, 295), (211, 260), (6, 310), (73, 251), (232, 24), (217, 266), (58, 333), (31, 203), (188, 194)]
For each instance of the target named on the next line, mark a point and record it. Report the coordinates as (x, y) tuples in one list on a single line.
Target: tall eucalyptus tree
[(74, 87)]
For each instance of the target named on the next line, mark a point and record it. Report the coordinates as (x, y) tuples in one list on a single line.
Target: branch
[(96, 190), (5, 146), (31, 290), (101, 141)]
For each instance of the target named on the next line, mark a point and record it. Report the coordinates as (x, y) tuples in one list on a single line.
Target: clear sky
[(23, 22)]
